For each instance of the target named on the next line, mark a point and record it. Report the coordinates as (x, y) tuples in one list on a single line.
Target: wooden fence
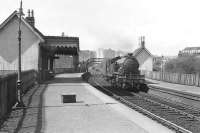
[(178, 78), (8, 91)]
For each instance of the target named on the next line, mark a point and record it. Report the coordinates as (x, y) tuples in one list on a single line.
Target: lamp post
[(162, 67), (19, 82)]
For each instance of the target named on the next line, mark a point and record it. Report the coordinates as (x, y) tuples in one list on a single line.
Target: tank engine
[(124, 73)]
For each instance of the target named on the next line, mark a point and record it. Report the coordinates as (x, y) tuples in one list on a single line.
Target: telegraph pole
[(19, 82)]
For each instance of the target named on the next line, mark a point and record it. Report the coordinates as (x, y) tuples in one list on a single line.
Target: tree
[(157, 65), (188, 65)]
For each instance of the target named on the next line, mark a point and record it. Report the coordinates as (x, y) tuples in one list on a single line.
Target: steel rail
[(169, 107), (189, 108), (145, 112)]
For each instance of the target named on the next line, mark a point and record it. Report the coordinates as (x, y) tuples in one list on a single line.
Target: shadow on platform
[(28, 119)]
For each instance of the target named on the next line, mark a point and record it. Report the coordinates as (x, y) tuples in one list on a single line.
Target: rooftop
[(192, 48)]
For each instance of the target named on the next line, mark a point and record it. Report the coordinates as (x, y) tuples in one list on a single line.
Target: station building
[(39, 52), (144, 57), (190, 51)]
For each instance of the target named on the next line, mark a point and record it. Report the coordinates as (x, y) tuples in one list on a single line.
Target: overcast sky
[(168, 25)]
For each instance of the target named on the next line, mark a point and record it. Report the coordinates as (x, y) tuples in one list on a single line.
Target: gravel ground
[(29, 119)]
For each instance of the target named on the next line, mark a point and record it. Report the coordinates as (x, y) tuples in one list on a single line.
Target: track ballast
[(173, 115)]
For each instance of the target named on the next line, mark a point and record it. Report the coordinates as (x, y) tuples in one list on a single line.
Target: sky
[(168, 25)]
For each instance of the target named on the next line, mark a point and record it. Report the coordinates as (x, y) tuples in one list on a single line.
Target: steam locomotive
[(123, 72)]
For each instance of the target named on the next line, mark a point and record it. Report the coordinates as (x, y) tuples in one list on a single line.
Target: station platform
[(93, 111), (194, 90)]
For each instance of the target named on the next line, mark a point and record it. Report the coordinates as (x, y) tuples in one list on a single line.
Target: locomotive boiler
[(124, 73)]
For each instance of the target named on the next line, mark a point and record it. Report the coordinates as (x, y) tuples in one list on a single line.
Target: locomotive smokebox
[(130, 66)]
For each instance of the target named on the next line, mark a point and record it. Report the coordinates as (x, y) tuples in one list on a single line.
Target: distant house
[(159, 62), (144, 57), (84, 55), (190, 51)]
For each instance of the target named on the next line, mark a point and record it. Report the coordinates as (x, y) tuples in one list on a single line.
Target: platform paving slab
[(178, 87)]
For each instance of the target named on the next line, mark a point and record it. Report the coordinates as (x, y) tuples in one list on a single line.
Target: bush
[(188, 65), (157, 65)]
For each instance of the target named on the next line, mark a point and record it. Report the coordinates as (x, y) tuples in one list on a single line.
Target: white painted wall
[(147, 65), (9, 47), (145, 61)]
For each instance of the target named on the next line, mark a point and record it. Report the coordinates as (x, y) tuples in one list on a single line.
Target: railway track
[(179, 117), (185, 95), (184, 108)]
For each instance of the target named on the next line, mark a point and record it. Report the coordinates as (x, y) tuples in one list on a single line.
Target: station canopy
[(61, 45)]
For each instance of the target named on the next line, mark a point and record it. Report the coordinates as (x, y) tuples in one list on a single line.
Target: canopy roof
[(61, 45)]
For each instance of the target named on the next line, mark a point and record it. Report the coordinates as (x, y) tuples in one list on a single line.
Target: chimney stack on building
[(30, 18), (142, 41), (63, 34)]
